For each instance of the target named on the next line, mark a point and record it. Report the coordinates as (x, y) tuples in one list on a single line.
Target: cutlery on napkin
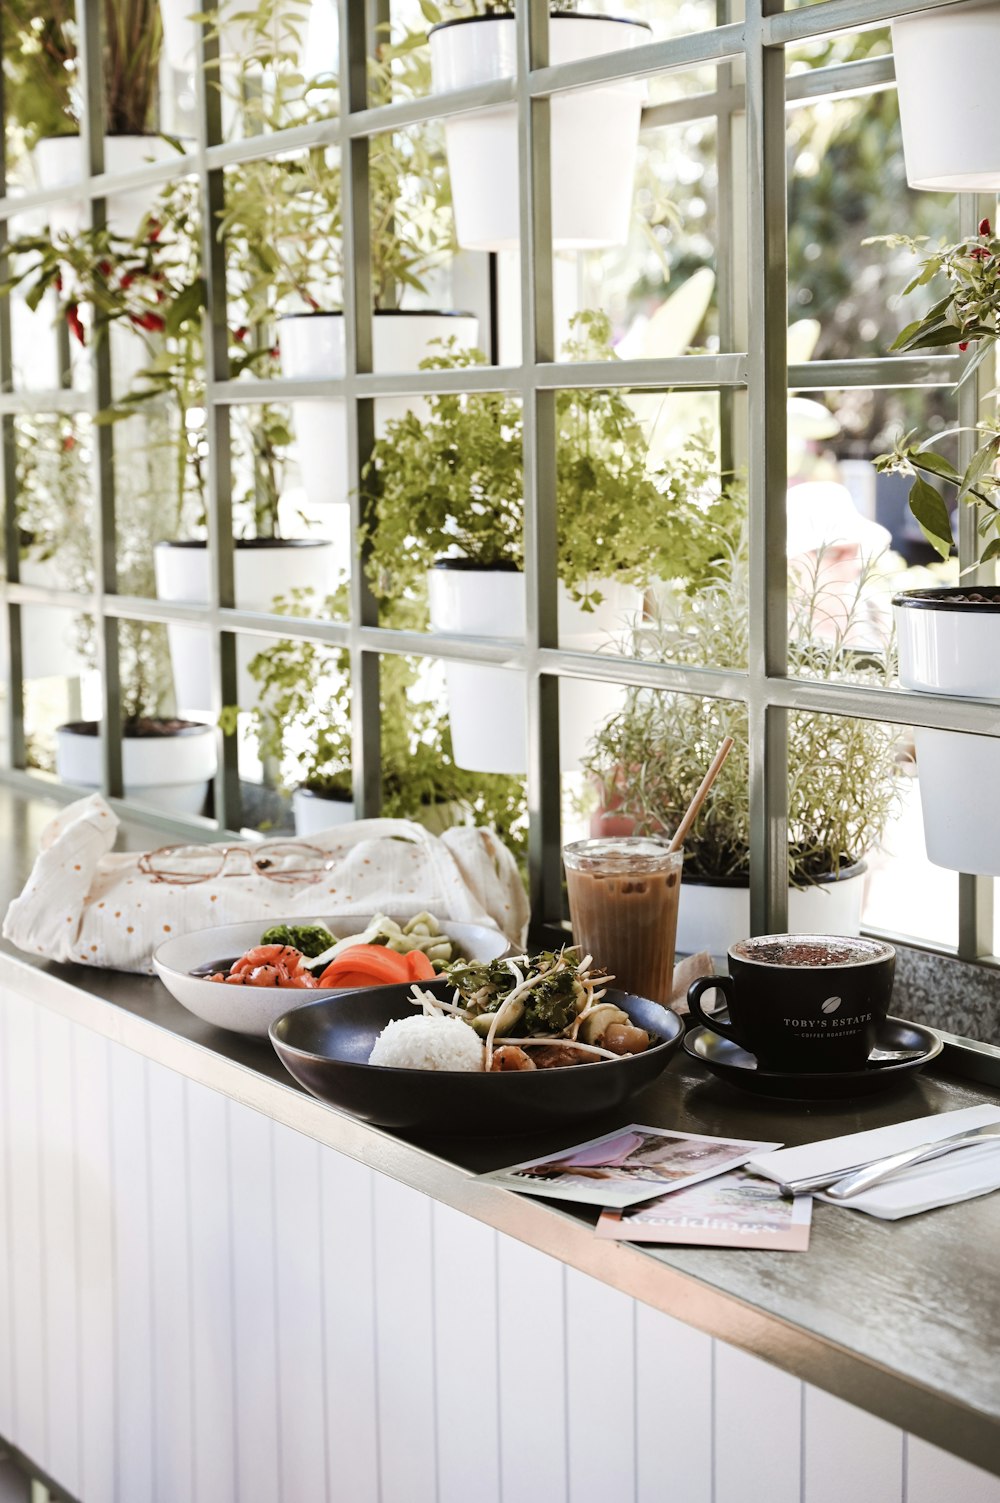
[(942, 1181)]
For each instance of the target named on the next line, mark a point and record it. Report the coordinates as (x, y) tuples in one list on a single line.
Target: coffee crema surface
[(810, 951)]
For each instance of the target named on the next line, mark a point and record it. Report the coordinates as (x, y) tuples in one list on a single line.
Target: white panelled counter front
[(214, 1288)]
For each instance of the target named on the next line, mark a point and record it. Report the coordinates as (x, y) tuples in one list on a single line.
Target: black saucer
[(730, 1062)]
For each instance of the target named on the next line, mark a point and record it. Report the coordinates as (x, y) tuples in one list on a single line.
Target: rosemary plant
[(649, 759)]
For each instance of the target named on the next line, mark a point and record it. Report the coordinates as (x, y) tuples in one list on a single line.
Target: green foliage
[(303, 723), (649, 759), (451, 481), (55, 524), (283, 221), (967, 314), (41, 66)]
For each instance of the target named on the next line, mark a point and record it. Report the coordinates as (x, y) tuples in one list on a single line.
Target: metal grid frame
[(748, 48)]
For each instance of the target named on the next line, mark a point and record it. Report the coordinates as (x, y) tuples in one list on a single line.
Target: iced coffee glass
[(623, 897)]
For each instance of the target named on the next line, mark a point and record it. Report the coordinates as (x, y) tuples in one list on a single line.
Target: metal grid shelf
[(748, 52)]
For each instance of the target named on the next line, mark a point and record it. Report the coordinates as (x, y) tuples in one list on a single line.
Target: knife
[(863, 1179), (881, 1167)]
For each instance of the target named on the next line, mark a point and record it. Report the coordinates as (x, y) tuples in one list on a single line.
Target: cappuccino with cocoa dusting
[(802, 1003), (796, 949)]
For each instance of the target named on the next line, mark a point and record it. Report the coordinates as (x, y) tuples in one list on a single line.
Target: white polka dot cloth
[(85, 904)]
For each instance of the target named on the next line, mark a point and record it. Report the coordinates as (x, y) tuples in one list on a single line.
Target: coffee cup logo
[(831, 1004)]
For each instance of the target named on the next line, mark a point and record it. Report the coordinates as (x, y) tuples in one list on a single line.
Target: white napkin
[(940, 1182)]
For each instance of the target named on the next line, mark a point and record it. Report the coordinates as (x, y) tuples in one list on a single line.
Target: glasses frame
[(748, 105), (254, 853)]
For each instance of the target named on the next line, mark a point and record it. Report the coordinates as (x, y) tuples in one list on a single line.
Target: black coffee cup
[(803, 1003)]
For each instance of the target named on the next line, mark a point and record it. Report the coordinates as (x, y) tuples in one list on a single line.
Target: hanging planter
[(265, 569), (312, 349), (181, 35), (316, 809), (58, 162), (946, 70), (595, 133), (486, 705), (49, 647), (949, 642), (714, 915), (167, 763)]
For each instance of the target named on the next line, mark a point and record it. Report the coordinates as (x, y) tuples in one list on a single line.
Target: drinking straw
[(692, 810)]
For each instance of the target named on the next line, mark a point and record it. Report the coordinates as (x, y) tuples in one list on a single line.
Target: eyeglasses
[(276, 860)]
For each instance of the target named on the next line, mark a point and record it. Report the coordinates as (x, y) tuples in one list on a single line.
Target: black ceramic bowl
[(326, 1045)]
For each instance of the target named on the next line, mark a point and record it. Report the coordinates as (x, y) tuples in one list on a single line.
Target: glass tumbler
[(623, 897)]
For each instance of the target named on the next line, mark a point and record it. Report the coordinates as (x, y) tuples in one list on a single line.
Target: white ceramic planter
[(950, 648), (48, 633), (181, 34), (595, 134), (946, 70), (486, 705), (170, 772), (312, 349), (314, 812), (265, 569), (714, 916), (58, 162)]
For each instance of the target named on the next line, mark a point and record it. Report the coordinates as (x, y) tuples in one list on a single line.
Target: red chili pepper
[(128, 278), (240, 334), (984, 227), (104, 268), (59, 281), (75, 322), (963, 345), (154, 231), (152, 322)]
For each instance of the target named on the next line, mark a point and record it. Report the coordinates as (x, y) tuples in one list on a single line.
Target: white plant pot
[(314, 812), (312, 349), (48, 633), (181, 35), (946, 71), (950, 648), (58, 162), (265, 569), (595, 134), (171, 772), (713, 916), (486, 705)]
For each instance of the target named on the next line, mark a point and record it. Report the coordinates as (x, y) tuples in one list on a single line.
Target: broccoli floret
[(310, 939)]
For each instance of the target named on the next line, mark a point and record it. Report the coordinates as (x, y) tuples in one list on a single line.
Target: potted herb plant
[(146, 292), (51, 91), (303, 726), (949, 637), (283, 227), (595, 132), (946, 68), (448, 504), (648, 759), (52, 522), (167, 761)]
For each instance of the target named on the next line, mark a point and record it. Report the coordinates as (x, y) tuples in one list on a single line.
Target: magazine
[(623, 1168), (731, 1210)]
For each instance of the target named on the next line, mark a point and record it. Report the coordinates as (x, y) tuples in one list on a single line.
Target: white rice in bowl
[(425, 1043)]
